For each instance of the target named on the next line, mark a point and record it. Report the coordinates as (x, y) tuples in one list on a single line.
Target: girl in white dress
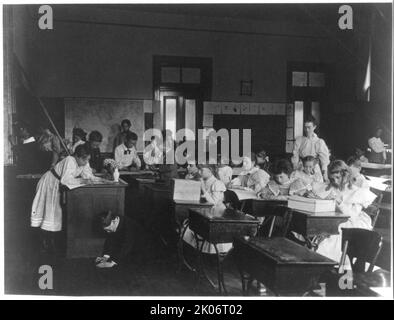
[(350, 200), (212, 189), (308, 175), (72, 171), (252, 177)]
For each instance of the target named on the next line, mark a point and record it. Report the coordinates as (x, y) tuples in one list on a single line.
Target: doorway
[(182, 84)]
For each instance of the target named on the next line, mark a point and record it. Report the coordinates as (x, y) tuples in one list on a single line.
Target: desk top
[(228, 216), (328, 214), (120, 184), (187, 202), (284, 251), (369, 165)]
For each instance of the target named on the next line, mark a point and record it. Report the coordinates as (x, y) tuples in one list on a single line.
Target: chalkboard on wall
[(104, 115)]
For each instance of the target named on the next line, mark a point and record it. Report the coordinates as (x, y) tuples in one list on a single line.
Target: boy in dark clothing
[(120, 241)]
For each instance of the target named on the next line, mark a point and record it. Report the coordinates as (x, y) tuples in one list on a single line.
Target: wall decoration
[(246, 88)]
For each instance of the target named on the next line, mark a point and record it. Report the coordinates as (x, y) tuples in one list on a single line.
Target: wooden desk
[(219, 229), (83, 206), (263, 208), (181, 209), (376, 169), (283, 266), (311, 224)]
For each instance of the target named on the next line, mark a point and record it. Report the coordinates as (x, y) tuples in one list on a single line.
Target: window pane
[(316, 79), (300, 79), (190, 75), (170, 74), (298, 118), (190, 117), (170, 109)]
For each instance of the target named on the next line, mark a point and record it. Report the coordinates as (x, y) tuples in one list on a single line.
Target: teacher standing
[(378, 148), (311, 145)]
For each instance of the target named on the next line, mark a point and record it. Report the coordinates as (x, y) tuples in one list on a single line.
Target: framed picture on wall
[(246, 88)]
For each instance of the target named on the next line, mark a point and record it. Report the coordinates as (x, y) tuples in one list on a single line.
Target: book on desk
[(310, 205)]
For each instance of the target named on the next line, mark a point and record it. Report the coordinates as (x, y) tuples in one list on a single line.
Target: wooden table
[(83, 206), (376, 169), (219, 229), (315, 225), (283, 266)]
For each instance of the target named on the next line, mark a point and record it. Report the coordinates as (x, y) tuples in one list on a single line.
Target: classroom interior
[(263, 67)]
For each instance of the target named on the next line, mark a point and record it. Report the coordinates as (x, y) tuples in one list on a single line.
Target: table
[(269, 208), (83, 206), (315, 225), (219, 229), (375, 169), (285, 267)]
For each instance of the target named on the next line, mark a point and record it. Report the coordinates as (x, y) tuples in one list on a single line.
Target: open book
[(243, 194), (311, 205), (187, 190)]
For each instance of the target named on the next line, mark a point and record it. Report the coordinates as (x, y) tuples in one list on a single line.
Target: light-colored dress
[(46, 210), (214, 194), (255, 179), (307, 180), (225, 174), (276, 191), (354, 201), (126, 157), (313, 146)]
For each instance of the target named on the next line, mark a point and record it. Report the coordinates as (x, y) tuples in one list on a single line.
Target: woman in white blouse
[(311, 145), (378, 148)]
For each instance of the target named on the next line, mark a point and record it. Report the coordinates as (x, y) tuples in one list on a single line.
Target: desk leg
[(221, 284), (181, 258)]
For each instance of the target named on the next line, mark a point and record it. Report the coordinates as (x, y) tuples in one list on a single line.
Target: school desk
[(181, 213), (284, 267), (83, 206), (375, 169), (216, 230), (313, 226)]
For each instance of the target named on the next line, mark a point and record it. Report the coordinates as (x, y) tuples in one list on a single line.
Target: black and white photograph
[(196, 151)]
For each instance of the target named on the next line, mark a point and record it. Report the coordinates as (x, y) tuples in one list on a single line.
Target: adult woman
[(378, 148), (311, 145)]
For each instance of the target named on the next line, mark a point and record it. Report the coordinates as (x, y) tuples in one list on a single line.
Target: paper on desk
[(377, 183), (187, 190), (244, 194)]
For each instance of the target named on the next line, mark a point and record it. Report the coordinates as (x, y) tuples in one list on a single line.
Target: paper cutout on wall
[(289, 133), (290, 109), (244, 108), (290, 121), (230, 108), (207, 120), (211, 107), (289, 146), (265, 108), (254, 108), (280, 109)]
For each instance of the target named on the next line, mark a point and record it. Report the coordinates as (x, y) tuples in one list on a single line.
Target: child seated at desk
[(126, 154), (350, 200), (358, 179), (281, 185), (95, 162), (307, 175), (252, 177), (193, 173), (212, 190)]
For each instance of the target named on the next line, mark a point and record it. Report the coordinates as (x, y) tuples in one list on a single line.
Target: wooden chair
[(374, 209), (361, 246)]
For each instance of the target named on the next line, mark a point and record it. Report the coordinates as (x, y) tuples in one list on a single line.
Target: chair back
[(374, 209), (361, 246)]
